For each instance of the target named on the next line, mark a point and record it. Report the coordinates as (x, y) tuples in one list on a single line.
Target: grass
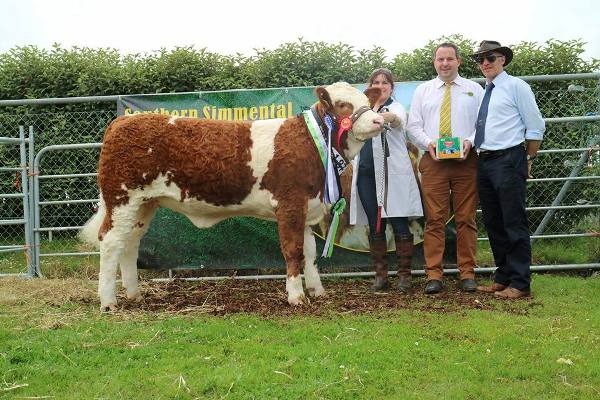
[(54, 342), (579, 250)]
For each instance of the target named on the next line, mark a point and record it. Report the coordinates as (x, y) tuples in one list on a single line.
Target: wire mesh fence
[(563, 196)]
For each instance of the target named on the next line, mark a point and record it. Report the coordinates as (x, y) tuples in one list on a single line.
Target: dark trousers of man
[(501, 179), (440, 181)]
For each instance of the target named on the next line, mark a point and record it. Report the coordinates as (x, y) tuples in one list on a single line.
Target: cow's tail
[(89, 232)]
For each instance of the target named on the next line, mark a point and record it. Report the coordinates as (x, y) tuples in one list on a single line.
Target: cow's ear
[(373, 95), (324, 98)]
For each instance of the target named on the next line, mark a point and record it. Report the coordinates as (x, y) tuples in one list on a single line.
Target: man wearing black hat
[(508, 134)]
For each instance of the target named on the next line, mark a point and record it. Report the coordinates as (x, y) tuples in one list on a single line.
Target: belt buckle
[(484, 154)]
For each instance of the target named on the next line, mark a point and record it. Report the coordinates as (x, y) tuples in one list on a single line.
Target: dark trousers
[(501, 180), (365, 183)]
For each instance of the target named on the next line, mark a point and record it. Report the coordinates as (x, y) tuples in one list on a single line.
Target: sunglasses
[(490, 57)]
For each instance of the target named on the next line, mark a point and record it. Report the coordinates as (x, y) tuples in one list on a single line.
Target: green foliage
[(556, 57), (31, 72), (530, 58), (314, 63)]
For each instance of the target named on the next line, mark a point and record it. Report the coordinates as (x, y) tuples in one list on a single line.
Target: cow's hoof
[(316, 292), (135, 295), (297, 301), (112, 307)]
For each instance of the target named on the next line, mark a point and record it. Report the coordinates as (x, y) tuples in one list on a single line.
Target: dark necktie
[(482, 116)]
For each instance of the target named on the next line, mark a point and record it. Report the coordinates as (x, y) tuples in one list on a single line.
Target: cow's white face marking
[(344, 92), (364, 127), (149, 150), (172, 120)]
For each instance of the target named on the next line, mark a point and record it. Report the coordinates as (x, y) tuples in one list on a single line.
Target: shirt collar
[(387, 103), (498, 80), (440, 83)]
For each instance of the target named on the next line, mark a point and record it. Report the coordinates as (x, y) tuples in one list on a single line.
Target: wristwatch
[(531, 157)]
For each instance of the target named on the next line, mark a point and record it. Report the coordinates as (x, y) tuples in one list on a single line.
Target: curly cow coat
[(211, 170)]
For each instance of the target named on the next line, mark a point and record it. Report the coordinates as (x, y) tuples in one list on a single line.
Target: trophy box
[(448, 148)]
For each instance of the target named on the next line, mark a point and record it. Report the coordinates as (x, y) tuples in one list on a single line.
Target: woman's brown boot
[(378, 247), (404, 251)]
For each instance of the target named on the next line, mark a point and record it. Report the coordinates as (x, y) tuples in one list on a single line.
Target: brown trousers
[(441, 180)]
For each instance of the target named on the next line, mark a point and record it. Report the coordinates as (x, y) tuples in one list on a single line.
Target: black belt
[(497, 153)]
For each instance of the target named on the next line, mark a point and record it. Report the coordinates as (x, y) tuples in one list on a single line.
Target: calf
[(212, 170)]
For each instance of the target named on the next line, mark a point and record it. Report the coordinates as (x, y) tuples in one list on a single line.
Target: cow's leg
[(290, 221), (311, 275), (128, 261), (111, 249)]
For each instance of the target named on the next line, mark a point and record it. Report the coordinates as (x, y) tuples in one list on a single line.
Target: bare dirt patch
[(268, 298)]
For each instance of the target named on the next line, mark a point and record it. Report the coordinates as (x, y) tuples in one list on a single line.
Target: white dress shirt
[(424, 116)]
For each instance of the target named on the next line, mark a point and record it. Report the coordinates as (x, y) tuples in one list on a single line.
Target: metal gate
[(16, 197), (49, 225)]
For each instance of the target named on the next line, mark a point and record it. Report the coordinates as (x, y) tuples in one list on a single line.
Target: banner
[(238, 105)]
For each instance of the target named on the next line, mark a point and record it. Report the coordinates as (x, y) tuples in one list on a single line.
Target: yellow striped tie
[(445, 113)]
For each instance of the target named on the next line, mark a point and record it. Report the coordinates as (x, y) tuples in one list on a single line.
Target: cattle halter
[(343, 125), (354, 117)]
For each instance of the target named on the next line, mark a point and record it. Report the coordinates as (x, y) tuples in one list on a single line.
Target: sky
[(234, 26)]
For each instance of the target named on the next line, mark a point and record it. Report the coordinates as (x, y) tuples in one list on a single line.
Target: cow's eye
[(344, 108)]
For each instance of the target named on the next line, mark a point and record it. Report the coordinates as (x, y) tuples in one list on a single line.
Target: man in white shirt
[(447, 106)]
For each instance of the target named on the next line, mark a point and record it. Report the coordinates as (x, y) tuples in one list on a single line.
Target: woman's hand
[(391, 118)]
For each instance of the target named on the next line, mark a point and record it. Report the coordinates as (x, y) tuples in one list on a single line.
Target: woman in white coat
[(384, 188)]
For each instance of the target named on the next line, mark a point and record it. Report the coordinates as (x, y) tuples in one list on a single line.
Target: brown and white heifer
[(212, 170)]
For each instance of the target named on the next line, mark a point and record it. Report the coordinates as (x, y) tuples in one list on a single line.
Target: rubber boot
[(378, 248), (404, 251)]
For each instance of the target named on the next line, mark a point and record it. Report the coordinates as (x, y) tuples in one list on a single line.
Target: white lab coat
[(403, 197)]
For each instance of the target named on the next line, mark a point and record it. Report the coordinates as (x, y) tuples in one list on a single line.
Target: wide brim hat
[(487, 46)]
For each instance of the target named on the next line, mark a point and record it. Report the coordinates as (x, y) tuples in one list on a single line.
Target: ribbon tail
[(337, 211), (332, 195), (328, 248)]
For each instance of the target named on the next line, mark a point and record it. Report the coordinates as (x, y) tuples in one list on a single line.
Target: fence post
[(25, 185), (32, 173)]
